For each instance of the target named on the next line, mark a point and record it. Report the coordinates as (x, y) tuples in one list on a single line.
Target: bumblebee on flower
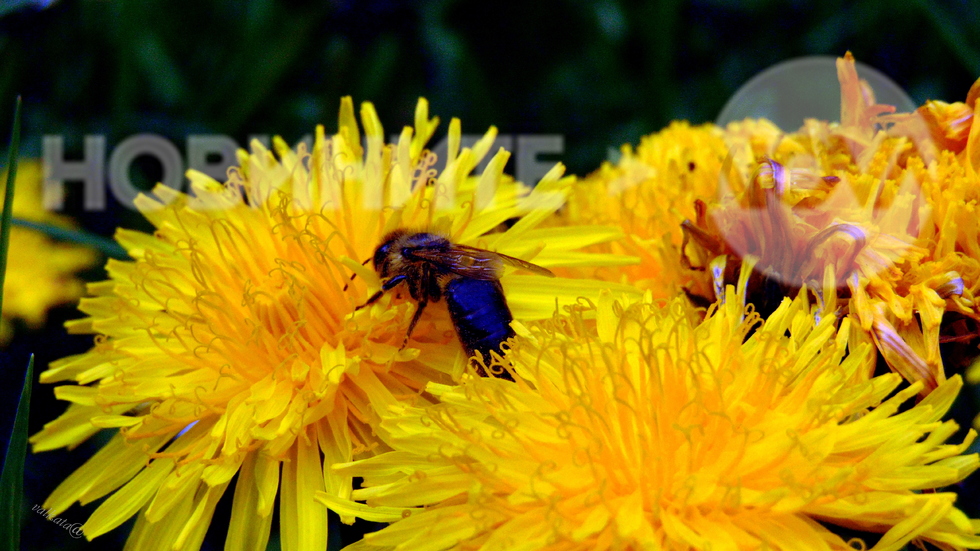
[(232, 345)]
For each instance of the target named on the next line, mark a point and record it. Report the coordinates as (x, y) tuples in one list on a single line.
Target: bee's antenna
[(353, 275)]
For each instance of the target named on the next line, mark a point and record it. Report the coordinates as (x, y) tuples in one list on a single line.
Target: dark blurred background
[(599, 73)]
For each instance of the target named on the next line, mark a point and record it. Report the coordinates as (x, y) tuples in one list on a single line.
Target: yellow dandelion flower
[(40, 272), (648, 193), (653, 430), (947, 281), (232, 343), (938, 125)]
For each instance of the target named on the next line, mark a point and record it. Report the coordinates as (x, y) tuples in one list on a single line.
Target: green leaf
[(12, 479), (958, 40), (8, 196)]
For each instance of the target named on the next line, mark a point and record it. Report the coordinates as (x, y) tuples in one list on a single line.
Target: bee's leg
[(415, 320), (352, 276), (386, 286)]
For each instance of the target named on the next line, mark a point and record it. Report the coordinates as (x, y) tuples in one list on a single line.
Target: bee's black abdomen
[(480, 314)]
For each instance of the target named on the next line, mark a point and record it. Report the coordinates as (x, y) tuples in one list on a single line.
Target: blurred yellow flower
[(653, 430), (231, 345), (40, 272)]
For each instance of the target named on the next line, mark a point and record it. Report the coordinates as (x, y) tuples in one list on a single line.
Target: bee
[(432, 267)]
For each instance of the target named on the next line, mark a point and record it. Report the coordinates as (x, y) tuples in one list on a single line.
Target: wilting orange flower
[(231, 345), (40, 272), (653, 430), (873, 214), (881, 209)]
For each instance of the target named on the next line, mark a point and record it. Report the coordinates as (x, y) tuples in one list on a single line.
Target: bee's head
[(389, 257), (381, 259), (383, 254)]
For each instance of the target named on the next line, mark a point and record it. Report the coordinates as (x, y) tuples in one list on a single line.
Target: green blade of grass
[(12, 479), (8, 196), (104, 245)]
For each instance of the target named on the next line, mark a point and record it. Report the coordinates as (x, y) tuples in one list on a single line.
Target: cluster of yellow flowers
[(702, 373)]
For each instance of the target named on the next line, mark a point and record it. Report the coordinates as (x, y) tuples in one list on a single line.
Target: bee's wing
[(475, 263), (465, 261), (518, 263)]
